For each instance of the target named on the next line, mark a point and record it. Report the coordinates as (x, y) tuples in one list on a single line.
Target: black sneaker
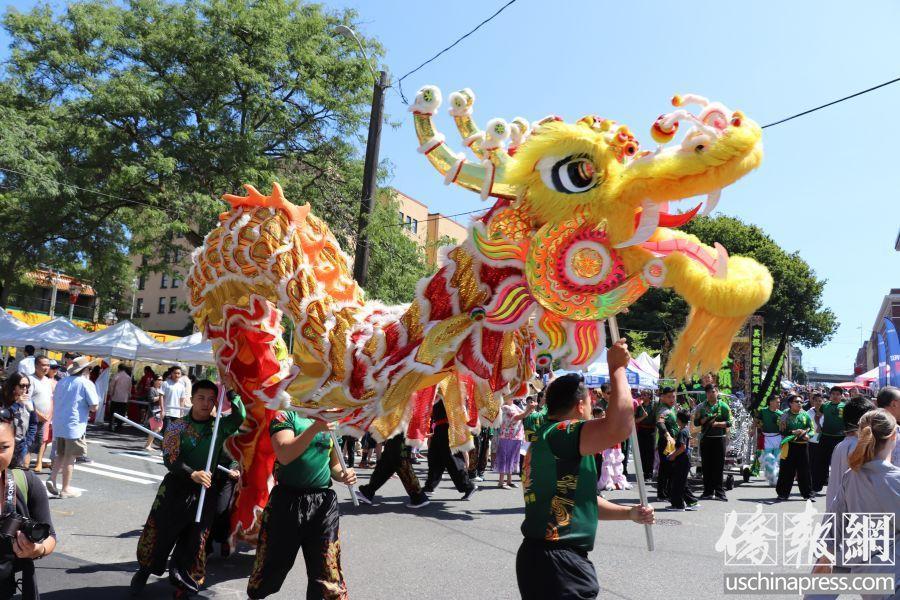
[(138, 581), (362, 497), (692, 507), (672, 508), (810, 498), (83, 459), (469, 493), (706, 497), (722, 497), (419, 502)]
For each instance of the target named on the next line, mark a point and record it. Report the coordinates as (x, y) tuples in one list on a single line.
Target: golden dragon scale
[(578, 230)]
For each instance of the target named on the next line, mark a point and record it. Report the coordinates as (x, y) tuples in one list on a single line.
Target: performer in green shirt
[(170, 527), (830, 419), (559, 484), (768, 420), (714, 419), (302, 511), (795, 426)]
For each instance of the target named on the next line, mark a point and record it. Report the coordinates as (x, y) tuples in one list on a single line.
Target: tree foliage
[(396, 262), (796, 294), (128, 121)]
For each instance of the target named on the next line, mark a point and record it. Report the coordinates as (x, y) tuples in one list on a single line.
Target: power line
[(433, 58), (812, 110)]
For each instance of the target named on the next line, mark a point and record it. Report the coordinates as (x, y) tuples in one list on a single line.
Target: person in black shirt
[(25, 494), (440, 458)]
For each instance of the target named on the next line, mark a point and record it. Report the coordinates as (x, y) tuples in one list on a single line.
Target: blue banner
[(882, 362), (893, 351)]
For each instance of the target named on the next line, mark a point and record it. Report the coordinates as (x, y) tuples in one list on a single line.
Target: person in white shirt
[(26, 365), (889, 400), (42, 400), (173, 396), (119, 395)]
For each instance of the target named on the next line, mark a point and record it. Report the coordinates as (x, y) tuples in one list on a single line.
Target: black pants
[(223, 488), (822, 460), (547, 571), (626, 446), (295, 519), (117, 408), (664, 477), (170, 528), (646, 442), (478, 456), (394, 459), (348, 443), (440, 459), (680, 492), (796, 463), (712, 459)]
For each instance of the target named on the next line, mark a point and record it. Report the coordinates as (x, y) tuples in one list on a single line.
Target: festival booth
[(192, 350), (11, 329), (51, 335), (123, 340)]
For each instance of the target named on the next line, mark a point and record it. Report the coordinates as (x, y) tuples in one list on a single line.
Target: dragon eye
[(570, 175)]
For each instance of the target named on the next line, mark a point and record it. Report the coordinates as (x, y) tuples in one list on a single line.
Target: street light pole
[(370, 170)]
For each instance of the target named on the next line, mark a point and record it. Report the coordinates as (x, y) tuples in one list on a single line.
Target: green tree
[(128, 121), (796, 294), (396, 262)]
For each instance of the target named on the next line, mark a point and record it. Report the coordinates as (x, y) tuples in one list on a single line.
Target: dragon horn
[(485, 178)]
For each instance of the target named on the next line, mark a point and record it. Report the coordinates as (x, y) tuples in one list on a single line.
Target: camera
[(35, 531)]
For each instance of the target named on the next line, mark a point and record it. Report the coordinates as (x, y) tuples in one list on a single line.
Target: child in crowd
[(512, 434), (682, 497)]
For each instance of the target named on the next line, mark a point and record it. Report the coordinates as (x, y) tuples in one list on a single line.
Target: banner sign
[(883, 373), (893, 351), (756, 347)]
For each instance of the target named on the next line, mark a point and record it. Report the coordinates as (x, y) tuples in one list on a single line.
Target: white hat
[(80, 364)]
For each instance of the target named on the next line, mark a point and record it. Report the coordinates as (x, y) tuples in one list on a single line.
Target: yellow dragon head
[(585, 213)]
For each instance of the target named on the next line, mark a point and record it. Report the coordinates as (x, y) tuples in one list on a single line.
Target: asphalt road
[(449, 549)]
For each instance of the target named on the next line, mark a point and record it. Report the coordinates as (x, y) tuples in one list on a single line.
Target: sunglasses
[(23, 386), (7, 415)]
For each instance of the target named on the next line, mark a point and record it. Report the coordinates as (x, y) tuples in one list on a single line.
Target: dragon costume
[(579, 229)]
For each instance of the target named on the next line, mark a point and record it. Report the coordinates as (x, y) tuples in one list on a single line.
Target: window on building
[(173, 304), (142, 281), (139, 306), (402, 217), (415, 226), (162, 306), (164, 281), (176, 255), (176, 282)]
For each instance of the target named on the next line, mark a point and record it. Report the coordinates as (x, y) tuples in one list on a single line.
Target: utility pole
[(370, 171), (369, 183)]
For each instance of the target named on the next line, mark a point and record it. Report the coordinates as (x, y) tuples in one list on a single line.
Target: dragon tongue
[(668, 220)]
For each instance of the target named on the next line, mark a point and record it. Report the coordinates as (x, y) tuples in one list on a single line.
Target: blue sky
[(828, 185)]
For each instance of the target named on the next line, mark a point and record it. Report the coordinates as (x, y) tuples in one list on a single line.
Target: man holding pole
[(302, 511), (559, 482), (190, 444)]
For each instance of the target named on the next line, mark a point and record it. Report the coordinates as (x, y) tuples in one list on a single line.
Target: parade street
[(447, 549)]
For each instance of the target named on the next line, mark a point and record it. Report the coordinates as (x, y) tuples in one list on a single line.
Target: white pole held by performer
[(212, 448), (154, 434), (638, 467), (340, 454)]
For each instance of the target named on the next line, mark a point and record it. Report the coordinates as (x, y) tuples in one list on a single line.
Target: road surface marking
[(114, 475), (134, 454), (126, 471)]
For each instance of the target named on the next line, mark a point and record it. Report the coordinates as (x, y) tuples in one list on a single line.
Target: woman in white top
[(871, 485)]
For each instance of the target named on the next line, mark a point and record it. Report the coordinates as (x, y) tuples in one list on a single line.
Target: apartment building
[(427, 228)]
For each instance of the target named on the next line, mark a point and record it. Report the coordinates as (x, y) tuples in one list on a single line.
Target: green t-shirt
[(560, 487), (670, 422), (790, 422), (721, 413), (649, 409), (312, 469), (186, 442), (833, 419), (533, 422), (770, 419)]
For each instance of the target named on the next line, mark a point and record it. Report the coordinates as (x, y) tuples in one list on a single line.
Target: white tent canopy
[(122, 340), (11, 329), (191, 350), (52, 335), (648, 364)]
